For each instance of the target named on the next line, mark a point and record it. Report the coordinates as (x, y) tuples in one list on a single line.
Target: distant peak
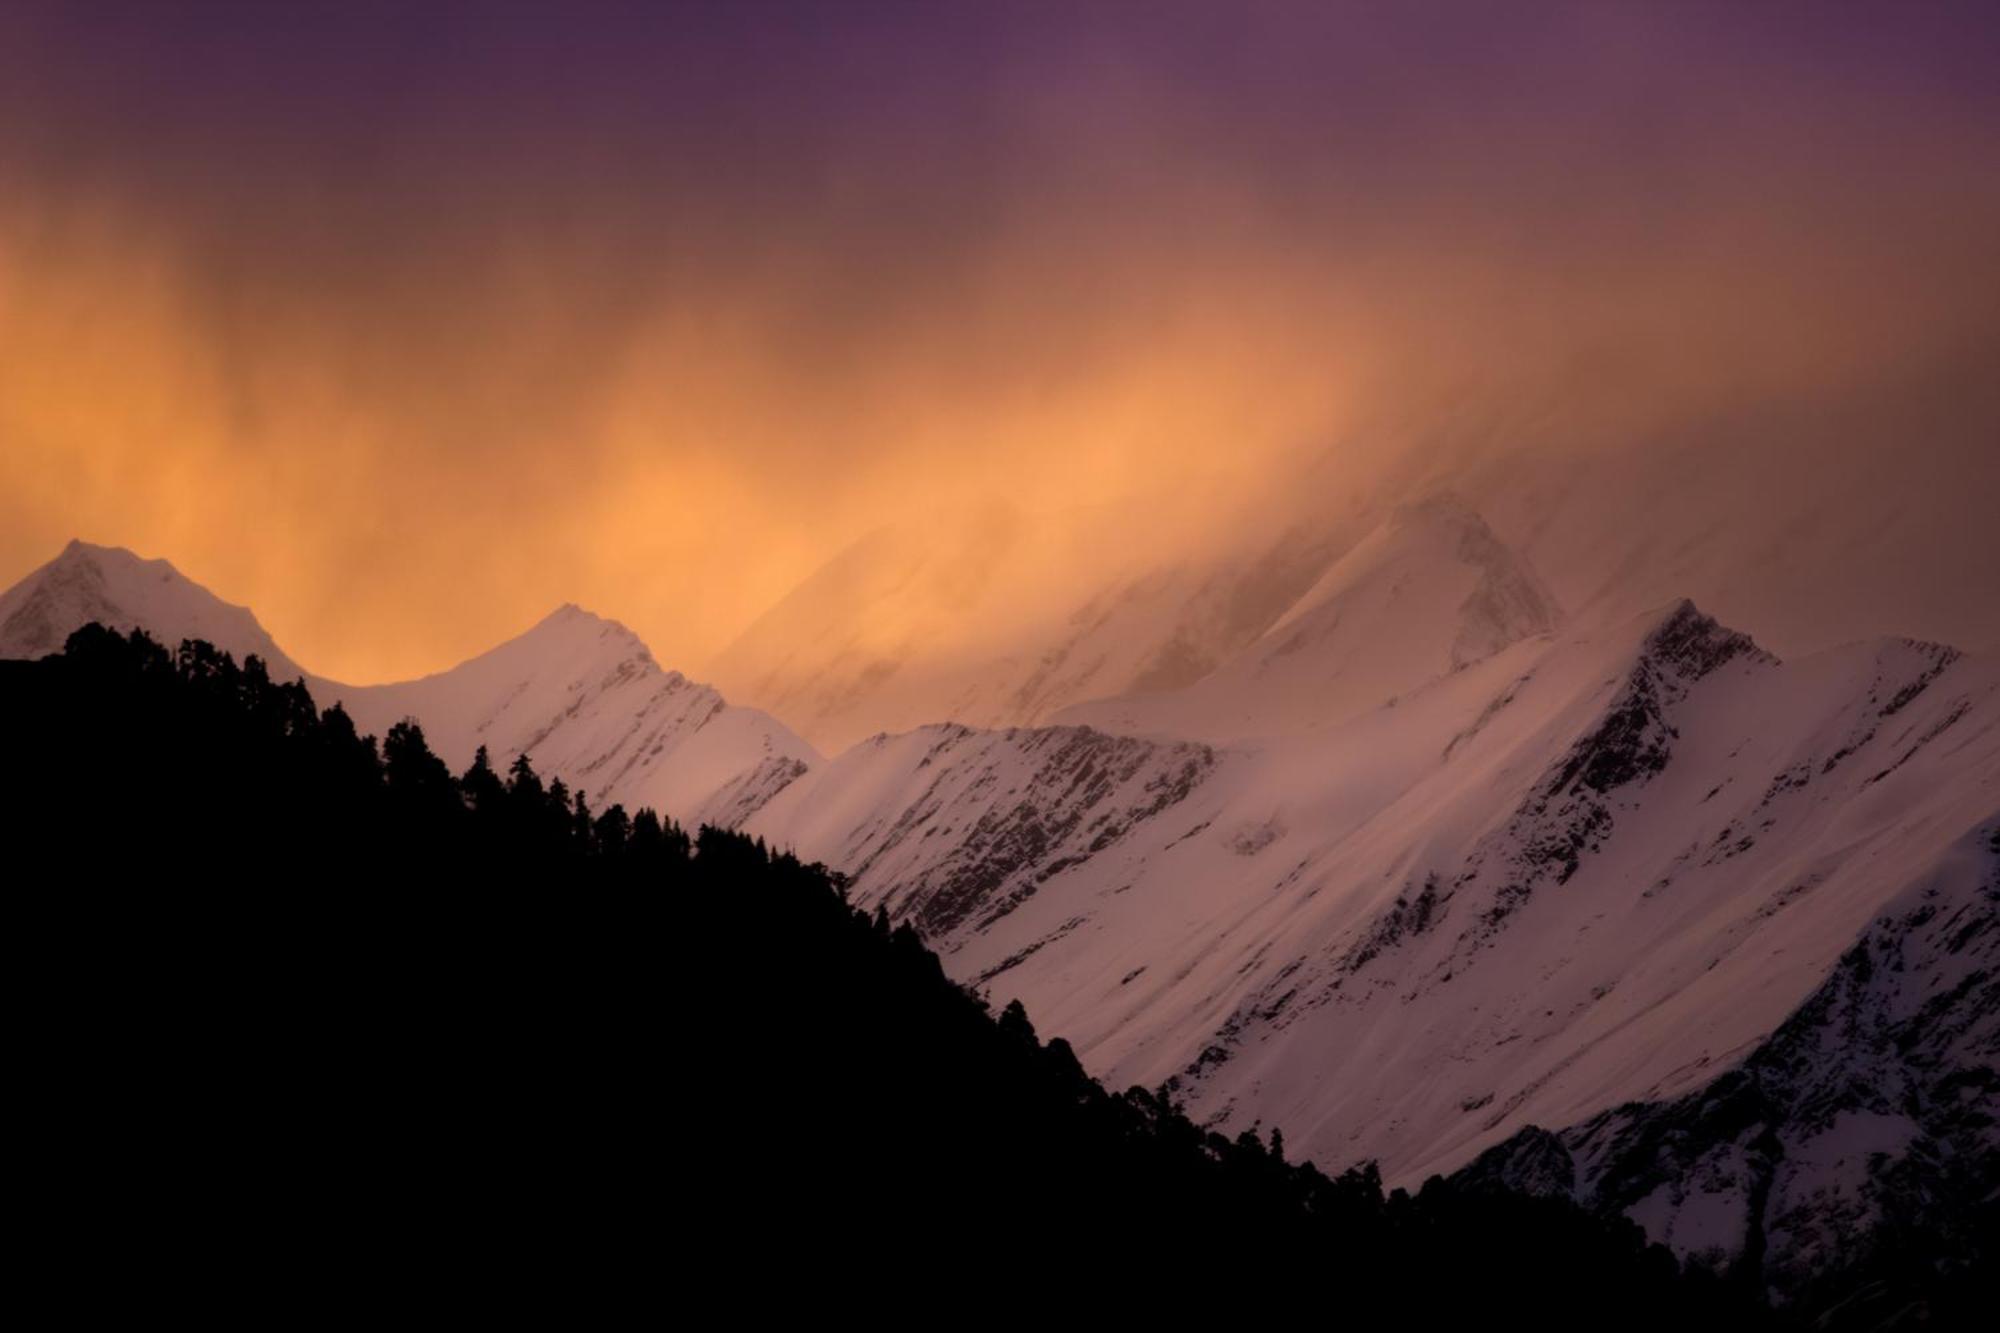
[(80, 552), (570, 621), (1446, 517), (1694, 643), (569, 613)]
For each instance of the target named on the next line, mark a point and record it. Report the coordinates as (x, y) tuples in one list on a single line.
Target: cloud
[(403, 334)]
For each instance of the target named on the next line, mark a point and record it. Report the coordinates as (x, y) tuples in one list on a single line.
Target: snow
[(582, 696), (1254, 918)]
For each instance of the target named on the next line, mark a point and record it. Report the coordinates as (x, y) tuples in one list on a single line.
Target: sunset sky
[(403, 323)]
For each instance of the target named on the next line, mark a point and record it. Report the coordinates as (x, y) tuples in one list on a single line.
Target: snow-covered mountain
[(1000, 619), (579, 694), (1429, 592), (1813, 529), (584, 699), (1310, 626), (112, 586), (1408, 867), (1591, 869)]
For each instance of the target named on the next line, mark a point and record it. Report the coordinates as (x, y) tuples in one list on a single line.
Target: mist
[(660, 317)]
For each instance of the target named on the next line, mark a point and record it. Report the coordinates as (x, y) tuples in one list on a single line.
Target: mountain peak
[(1694, 643), (572, 626), (77, 551), (113, 586)]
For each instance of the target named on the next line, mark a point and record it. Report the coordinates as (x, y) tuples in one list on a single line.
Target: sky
[(404, 323)]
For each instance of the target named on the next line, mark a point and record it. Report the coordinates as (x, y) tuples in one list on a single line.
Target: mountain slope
[(1578, 873), (584, 698), (1429, 592), (581, 695), (1862, 1131), (999, 619), (1574, 872), (427, 1047)]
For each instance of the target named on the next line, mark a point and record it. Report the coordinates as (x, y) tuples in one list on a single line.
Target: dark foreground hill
[(309, 1024)]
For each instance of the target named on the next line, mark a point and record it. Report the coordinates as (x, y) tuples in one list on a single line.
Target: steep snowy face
[(1869, 1111), (1429, 592), (1585, 871), (955, 622), (584, 699), (1681, 870), (113, 587)]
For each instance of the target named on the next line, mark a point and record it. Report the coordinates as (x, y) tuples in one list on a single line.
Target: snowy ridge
[(579, 694), (1428, 592), (1580, 872), (583, 697), (855, 649), (1315, 626), (1602, 878)]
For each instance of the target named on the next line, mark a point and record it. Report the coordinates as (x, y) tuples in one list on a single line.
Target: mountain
[(473, 976), (1429, 592), (1815, 528), (1862, 1130), (115, 588), (1565, 892), (952, 828), (580, 695), (993, 621), (1593, 869), (584, 698), (997, 618)]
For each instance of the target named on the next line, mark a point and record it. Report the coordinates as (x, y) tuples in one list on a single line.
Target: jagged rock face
[(971, 824), (1572, 813), (1872, 1113)]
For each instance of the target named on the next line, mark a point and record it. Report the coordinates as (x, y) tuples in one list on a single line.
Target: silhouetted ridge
[(317, 1013)]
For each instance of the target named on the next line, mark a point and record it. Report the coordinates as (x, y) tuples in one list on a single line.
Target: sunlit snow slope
[(1418, 872), (1585, 871)]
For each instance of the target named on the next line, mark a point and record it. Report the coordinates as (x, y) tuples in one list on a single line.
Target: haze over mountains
[(1809, 528), (1416, 867), (1422, 576)]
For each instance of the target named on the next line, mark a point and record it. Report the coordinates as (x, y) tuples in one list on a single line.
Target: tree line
[(317, 1015)]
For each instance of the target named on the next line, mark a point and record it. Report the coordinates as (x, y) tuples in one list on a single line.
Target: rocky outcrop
[(1863, 1131)]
